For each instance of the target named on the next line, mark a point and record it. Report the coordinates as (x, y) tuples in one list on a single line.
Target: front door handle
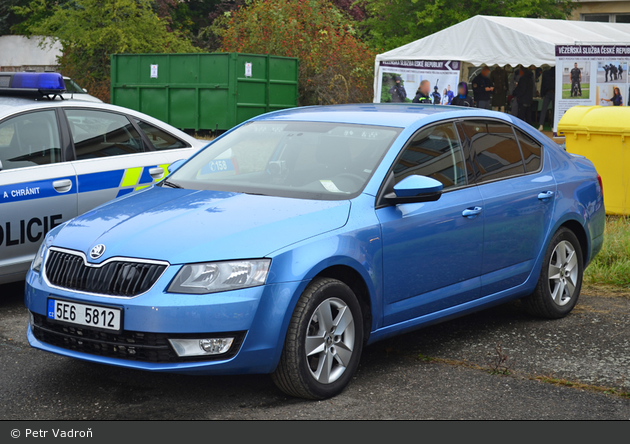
[(156, 173), (471, 213), (62, 186), (546, 195)]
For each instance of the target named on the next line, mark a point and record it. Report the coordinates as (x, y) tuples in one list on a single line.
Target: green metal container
[(204, 91)]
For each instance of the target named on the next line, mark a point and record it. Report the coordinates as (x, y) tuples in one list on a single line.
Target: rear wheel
[(560, 279), (324, 342)]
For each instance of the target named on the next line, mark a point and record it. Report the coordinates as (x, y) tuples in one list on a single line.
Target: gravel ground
[(450, 381)]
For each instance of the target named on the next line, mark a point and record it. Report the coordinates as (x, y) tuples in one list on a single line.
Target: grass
[(566, 91), (611, 267)]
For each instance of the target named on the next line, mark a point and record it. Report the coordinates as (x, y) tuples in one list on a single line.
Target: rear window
[(494, 152), (98, 134), (532, 151)]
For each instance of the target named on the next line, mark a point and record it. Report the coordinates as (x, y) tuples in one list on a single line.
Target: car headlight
[(212, 277), (36, 265)]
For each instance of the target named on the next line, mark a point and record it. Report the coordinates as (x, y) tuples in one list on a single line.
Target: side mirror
[(84, 90), (172, 167), (415, 189), (0, 165)]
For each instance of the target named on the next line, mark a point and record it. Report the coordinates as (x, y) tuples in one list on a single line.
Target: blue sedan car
[(294, 240)]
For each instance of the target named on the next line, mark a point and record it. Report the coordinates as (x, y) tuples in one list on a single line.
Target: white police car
[(61, 158)]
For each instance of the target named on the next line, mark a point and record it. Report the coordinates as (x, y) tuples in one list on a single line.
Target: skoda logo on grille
[(97, 251)]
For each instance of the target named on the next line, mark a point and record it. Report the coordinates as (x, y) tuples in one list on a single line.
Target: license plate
[(82, 314)]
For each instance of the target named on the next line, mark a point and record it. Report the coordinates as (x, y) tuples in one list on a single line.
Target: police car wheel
[(324, 342)]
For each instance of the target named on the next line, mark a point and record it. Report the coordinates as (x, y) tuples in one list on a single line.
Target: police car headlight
[(36, 265), (213, 277)]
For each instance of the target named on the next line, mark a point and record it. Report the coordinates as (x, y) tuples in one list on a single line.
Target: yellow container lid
[(596, 120)]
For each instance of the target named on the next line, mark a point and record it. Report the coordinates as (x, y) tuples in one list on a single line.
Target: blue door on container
[(518, 192), (432, 252)]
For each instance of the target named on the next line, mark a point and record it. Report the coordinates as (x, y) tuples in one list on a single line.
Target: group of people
[(490, 90), (615, 72)]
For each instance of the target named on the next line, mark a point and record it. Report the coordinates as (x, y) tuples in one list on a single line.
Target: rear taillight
[(601, 185)]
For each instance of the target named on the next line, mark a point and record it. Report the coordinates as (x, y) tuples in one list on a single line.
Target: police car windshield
[(308, 160)]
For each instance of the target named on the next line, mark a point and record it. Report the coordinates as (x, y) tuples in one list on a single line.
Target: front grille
[(116, 278), (130, 345)]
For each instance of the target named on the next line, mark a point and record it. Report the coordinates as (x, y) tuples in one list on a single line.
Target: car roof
[(399, 115)]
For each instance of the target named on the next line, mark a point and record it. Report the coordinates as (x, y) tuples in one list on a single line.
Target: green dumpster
[(204, 91)]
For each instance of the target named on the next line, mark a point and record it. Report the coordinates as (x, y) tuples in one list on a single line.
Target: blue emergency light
[(48, 84)]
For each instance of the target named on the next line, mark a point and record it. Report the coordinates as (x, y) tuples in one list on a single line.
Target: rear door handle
[(471, 213), (545, 195), (62, 186)]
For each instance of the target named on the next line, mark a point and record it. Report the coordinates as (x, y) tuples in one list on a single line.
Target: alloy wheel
[(330, 340)]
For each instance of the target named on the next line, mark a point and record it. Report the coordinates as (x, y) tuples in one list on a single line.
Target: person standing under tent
[(512, 101), (499, 80), (524, 93), (482, 88), (548, 93), (576, 81), (462, 98)]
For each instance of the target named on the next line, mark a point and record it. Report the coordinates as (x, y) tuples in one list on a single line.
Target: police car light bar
[(32, 83)]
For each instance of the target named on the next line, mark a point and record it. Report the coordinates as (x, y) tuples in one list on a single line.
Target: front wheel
[(324, 342), (560, 279)]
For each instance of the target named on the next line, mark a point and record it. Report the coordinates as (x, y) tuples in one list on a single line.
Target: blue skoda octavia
[(294, 240)]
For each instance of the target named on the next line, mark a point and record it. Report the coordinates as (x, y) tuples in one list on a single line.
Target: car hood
[(182, 226)]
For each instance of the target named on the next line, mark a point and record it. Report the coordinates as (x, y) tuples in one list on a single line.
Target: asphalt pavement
[(496, 364)]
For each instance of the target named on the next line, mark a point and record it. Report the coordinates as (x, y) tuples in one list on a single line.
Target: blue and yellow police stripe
[(127, 180)]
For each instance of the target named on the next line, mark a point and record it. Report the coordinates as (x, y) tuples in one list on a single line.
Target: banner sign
[(590, 75), (398, 80)]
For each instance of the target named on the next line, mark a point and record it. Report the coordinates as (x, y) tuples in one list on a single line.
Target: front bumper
[(256, 316)]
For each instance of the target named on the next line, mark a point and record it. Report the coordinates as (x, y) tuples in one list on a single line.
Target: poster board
[(602, 69), (443, 75)]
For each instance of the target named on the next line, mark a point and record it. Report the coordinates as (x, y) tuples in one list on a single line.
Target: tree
[(392, 23), (91, 30), (334, 65)]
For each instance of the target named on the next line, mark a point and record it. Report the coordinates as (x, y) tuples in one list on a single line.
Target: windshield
[(309, 160), (72, 87)]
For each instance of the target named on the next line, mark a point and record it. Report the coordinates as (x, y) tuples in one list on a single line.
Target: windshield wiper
[(168, 183)]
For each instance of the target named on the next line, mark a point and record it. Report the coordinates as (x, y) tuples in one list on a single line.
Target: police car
[(61, 158)]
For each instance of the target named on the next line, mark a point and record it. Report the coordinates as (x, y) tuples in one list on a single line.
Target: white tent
[(484, 40)]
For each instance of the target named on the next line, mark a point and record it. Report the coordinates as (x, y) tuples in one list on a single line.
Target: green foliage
[(392, 23), (91, 30), (612, 265), (334, 65)]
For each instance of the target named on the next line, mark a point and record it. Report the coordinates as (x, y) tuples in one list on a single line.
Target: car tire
[(560, 281), (327, 325)]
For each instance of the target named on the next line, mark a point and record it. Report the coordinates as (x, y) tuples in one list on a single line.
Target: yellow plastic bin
[(602, 135)]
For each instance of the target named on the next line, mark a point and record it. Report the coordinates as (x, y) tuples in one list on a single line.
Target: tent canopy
[(485, 40)]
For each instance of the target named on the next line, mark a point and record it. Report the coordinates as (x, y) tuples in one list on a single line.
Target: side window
[(494, 152), (433, 152), (30, 139), (158, 138), (98, 134), (532, 151)]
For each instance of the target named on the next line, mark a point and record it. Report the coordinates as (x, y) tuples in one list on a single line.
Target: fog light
[(201, 347)]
